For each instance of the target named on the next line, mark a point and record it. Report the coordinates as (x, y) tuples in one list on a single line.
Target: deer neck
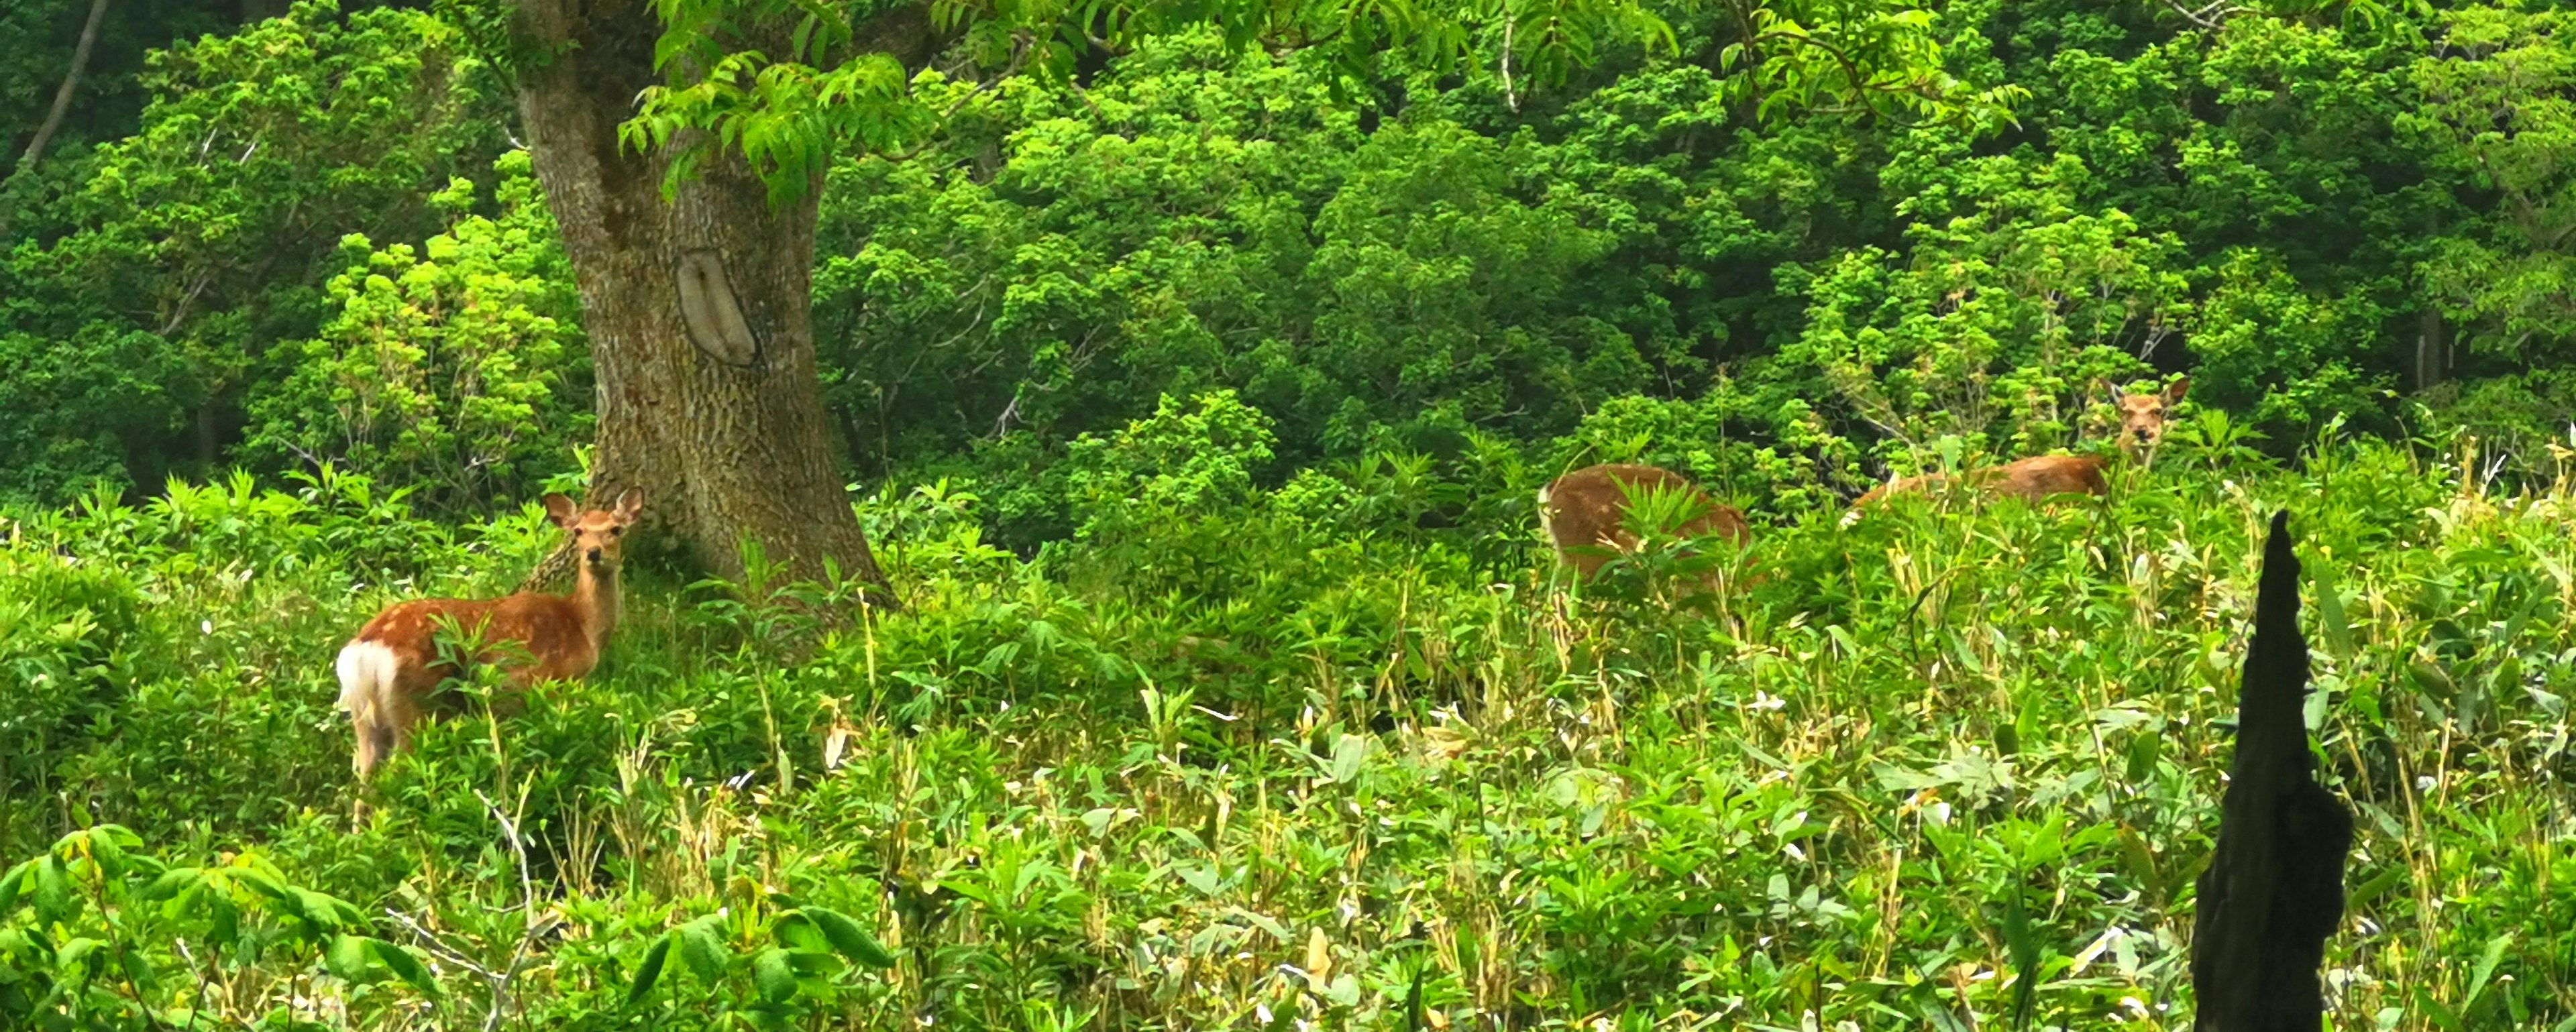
[(594, 595)]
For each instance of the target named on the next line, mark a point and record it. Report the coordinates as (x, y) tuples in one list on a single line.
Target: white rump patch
[(367, 671)]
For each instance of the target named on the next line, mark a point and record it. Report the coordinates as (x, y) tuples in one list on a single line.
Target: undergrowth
[(1337, 754)]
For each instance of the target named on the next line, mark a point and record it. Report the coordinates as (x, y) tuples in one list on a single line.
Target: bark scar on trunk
[(714, 315)]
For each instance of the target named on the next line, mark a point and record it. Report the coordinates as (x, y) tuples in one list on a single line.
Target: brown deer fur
[(390, 672), (2142, 428), (2028, 479), (1588, 507)]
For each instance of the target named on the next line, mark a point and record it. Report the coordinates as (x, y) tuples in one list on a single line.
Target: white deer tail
[(367, 673)]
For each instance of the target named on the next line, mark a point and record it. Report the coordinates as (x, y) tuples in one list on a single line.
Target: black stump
[(2274, 890)]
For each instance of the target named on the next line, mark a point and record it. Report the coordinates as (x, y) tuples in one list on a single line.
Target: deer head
[(2142, 416), (598, 535)]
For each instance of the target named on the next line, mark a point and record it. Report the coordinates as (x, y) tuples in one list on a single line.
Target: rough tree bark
[(2274, 891), (698, 309)]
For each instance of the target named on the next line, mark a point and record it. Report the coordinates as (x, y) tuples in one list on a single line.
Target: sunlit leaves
[(1869, 56), (786, 115), (453, 366)]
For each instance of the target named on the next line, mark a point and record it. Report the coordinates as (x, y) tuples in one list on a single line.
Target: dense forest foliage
[(1196, 402), (308, 241)]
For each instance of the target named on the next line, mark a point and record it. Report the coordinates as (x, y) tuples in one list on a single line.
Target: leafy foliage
[(458, 369), (1238, 759), (183, 253)]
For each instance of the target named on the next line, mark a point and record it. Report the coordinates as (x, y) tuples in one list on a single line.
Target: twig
[(527, 914)]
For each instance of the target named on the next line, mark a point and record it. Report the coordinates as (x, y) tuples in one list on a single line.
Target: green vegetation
[(1195, 396), (1234, 728)]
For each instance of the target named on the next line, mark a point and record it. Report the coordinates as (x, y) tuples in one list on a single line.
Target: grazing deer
[(390, 670), (1589, 507), (2142, 428)]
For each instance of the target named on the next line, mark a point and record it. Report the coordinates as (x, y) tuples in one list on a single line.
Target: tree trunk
[(71, 83), (2273, 891), (698, 311), (2432, 354), (2432, 359)]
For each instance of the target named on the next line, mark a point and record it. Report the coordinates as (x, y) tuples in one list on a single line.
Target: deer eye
[(616, 531)]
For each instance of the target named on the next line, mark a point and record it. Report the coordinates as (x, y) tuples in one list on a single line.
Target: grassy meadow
[(1335, 754)]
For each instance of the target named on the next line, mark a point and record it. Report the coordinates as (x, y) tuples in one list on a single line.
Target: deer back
[(1589, 507), (2040, 476)]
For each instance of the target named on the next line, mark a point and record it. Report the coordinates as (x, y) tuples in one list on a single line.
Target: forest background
[(1220, 381)]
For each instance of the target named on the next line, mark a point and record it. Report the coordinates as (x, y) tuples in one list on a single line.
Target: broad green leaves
[(107, 945), (813, 944)]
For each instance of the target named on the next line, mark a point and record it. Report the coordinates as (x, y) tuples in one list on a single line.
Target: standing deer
[(2142, 428), (389, 672), (1588, 508)]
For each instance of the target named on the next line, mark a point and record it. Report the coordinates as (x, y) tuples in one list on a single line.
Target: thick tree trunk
[(698, 312), (2273, 892)]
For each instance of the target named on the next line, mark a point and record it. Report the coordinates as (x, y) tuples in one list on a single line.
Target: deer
[(1588, 508), (390, 672), (2142, 429)]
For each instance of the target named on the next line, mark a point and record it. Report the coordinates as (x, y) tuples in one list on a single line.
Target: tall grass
[(1342, 753)]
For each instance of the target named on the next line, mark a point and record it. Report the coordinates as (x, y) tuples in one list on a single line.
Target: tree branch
[(2210, 17)]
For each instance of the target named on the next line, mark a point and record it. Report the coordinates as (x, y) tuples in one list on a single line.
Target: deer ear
[(2106, 391), (630, 504), (2175, 392), (561, 510)]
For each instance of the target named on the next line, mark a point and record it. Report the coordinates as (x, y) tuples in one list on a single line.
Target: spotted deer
[(390, 672), (1585, 510), (2142, 428)]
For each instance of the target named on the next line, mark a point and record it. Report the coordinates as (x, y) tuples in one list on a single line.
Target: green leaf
[(2378, 884), (703, 949), (2141, 860), (404, 966), (796, 931), (2025, 955), (849, 939), (2443, 1016), (11, 884), (1349, 752), (2330, 612), (771, 975), (104, 851), (2144, 748), (223, 920), (170, 883), (257, 881), (2486, 969), (650, 971), (138, 969), (70, 958), (53, 896), (347, 959), (326, 910)]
